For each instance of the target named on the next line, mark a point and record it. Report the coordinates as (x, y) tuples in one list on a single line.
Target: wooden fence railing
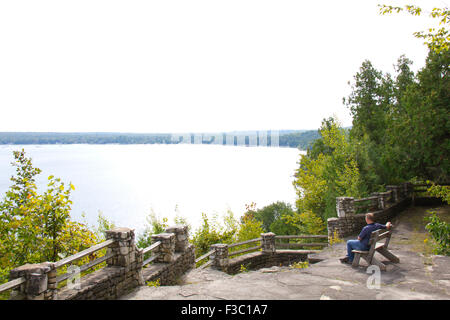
[(68, 260), (12, 284), (150, 249), (284, 241), (83, 254), (282, 244)]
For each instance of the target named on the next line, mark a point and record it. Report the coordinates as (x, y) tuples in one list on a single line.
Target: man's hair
[(370, 216)]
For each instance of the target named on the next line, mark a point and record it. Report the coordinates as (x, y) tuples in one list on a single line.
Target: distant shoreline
[(300, 139)]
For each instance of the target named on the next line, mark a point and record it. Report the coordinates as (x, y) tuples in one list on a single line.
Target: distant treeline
[(288, 138)]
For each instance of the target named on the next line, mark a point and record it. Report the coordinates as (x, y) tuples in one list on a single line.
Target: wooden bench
[(375, 246)]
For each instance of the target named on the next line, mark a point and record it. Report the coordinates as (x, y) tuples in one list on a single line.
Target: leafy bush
[(440, 232), (36, 227)]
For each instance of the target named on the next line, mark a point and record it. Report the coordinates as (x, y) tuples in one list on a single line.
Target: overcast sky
[(189, 65)]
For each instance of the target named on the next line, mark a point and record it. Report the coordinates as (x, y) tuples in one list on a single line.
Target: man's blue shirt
[(367, 231)]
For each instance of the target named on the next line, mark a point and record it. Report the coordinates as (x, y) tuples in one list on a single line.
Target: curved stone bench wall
[(258, 260)]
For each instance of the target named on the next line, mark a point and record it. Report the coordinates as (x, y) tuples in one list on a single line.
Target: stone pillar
[(52, 286), (395, 192), (220, 256), (181, 237), (345, 206), (123, 248), (268, 242), (165, 251), (382, 197), (36, 285), (408, 189)]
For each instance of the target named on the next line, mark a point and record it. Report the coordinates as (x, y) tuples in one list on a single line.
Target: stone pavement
[(415, 277)]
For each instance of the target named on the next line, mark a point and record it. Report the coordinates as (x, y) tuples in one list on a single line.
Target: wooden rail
[(300, 245), (303, 236), (206, 255), (85, 267), (243, 242), (366, 199), (243, 251), (150, 249), (83, 254), (12, 284)]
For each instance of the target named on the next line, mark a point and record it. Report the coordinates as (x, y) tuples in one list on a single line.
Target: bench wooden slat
[(360, 252), (384, 235)]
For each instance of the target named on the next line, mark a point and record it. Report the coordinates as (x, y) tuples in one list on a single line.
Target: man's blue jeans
[(354, 245)]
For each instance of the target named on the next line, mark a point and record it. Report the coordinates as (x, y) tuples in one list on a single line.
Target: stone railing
[(266, 254), (171, 255), (384, 206)]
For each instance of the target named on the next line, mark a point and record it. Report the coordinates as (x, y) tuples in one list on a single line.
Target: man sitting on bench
[(363, 239)]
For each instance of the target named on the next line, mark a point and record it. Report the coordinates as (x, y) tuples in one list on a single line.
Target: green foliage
[(212, 232), (437, 40), (154, 225), (335, 238), (440, 232), (36, 227), (300, 265), (155, 283), (103, 224), (248, 229), (400, 124), (244, 268), (307, 222), (442, 192), (272, 217), (328, 170), (300, 140)]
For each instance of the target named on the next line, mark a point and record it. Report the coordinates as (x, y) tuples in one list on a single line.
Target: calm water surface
[(127, 182)]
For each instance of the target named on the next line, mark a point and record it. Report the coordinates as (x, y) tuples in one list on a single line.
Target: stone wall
[(269, 256), (258, 260), (169, 273), (348, 223), (124, 270)]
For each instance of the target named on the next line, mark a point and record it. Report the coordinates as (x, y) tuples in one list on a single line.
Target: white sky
[(189, 65)]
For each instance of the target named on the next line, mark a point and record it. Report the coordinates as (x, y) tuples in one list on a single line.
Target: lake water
[(127, 182)]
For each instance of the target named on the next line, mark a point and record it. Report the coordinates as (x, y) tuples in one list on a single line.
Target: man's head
[(370, 218)]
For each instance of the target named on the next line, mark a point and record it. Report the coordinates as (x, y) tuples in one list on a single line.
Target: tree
[(437, 40), (327, 171), (37, 227)]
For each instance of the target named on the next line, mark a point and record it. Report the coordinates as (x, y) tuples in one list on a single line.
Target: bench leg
[(356, 258), (385, 252)]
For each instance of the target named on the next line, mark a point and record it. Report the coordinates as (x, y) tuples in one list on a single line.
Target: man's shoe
[(344, 260)]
